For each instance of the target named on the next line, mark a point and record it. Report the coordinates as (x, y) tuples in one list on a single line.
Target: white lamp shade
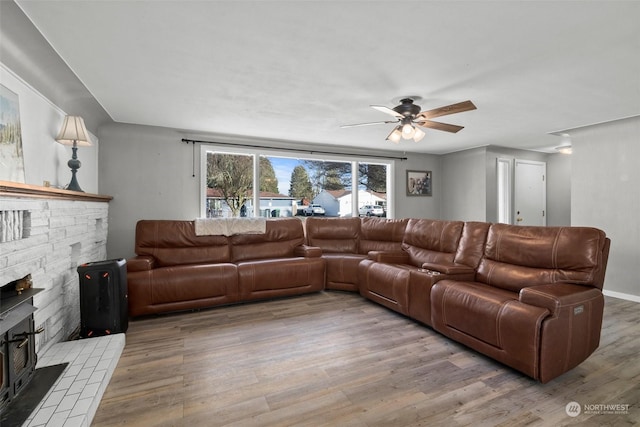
[(74, 130), (418, 135), (408, 131), (395, 135)]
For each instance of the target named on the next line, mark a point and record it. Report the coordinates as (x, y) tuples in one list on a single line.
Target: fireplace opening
[(17, 340)]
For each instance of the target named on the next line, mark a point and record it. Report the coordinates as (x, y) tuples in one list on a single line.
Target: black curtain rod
[(231, 144)]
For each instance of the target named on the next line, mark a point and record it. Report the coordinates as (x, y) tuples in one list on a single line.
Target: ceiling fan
[(410, 119)]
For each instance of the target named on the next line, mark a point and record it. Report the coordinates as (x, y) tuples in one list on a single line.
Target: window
[(229, 184), (373, 182), (288, 185)]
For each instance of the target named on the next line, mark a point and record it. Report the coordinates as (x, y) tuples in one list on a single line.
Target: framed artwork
[(11, 156), (419, 183)]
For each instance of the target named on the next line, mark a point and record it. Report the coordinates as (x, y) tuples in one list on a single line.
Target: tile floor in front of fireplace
[(75, 396)]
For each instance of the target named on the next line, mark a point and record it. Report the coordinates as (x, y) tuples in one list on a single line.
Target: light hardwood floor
[(336, 359)]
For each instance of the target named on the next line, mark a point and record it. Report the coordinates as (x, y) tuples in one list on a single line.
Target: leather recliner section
[(535, 303)]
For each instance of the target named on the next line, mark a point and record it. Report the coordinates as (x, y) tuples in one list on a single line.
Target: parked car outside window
[(314, 210), (371, 210)]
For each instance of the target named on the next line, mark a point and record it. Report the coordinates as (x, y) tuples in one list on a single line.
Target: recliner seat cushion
[(462, 302), (490, 320)]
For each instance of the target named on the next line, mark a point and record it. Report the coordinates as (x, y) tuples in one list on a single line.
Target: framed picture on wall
[(419, 183), (11, 157)]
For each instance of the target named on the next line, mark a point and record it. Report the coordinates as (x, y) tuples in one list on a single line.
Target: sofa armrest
[(557, 296), (448, 268), (572, 332), (141, 263), (389, 257), (307, 251)]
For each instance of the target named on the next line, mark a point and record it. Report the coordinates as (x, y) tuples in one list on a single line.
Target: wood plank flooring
[(336, 359)]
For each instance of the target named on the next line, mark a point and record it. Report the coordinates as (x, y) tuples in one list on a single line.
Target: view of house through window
[(290, 186)]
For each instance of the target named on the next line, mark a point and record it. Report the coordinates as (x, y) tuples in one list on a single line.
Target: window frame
[(256, 153)]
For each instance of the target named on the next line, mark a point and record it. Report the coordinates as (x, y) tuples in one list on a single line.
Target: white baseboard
[(628, 297)]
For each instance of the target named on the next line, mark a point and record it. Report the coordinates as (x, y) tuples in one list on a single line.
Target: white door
[(530, 198)]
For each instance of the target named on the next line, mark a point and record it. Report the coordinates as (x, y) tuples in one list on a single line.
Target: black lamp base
[(73, 185), (74, 164)]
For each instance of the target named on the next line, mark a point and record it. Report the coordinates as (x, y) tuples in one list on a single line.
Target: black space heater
[(103, 298)]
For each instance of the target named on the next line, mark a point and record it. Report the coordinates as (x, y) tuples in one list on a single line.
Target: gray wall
[(605, 193), (470, 183), (464, 187), (148, 171), (559, 190), (418, 206)]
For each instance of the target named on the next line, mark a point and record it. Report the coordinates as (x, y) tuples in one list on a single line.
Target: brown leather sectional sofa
[(529, 297)]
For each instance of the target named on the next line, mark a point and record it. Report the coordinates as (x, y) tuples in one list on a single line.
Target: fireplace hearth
[(17, 339)]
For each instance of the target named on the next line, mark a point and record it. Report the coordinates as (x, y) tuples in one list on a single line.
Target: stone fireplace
[(45, 233), (48, 232)]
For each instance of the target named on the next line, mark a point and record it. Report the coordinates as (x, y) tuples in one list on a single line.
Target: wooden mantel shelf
[(16, 189)]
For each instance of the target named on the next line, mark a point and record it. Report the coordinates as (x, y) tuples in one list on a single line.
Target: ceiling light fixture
[(564, 149), (418, 135), (395, 135), (409, 119), (408, 131)]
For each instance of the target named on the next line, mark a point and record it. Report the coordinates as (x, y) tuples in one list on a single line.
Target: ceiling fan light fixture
[(418, 135), (409, 118), (395, 135), (408, 131)]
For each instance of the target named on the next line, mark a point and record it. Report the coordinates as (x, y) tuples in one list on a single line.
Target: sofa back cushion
[(175, 243), (519, 256), (381, 234), (433, 241), (281, 236), (472, 242), (333, 235)]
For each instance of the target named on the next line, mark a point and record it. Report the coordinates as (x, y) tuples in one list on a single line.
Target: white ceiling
[(297, 70)]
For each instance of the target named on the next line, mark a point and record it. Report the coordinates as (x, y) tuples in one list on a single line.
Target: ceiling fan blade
[(368, 124), (439, 126), (449, 109), (387, 110)]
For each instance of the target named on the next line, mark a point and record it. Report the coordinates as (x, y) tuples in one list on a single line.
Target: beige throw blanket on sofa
[(229, 226)]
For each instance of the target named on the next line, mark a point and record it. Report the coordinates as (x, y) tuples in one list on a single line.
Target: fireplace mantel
[(16, 189)]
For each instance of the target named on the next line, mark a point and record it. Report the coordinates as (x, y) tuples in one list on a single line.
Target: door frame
[(544, 186)]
